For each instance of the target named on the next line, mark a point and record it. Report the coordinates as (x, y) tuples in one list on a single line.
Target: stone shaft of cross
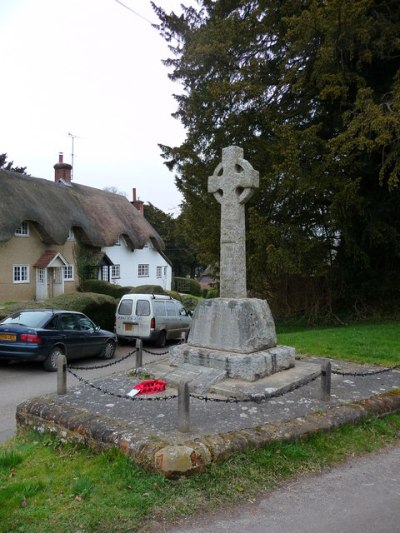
[(233, 184)]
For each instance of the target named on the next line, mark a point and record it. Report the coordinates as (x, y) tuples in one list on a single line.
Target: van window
[(143, 308), (125, 307), (171, 308), (159, 308)]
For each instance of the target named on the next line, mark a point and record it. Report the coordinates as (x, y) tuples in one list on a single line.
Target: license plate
[(7, 337), (128, 327)]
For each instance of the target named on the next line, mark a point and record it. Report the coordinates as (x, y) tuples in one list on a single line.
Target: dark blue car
[(42, 334)]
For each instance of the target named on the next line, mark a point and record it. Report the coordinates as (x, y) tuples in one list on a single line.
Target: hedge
[(99, 307), (187, 285), (148, 289), (104, 287)]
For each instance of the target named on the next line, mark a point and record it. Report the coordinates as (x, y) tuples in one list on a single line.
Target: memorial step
[(200, 378)]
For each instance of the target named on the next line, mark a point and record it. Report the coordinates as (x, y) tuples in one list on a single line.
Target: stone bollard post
[(326, 381), (183, 407), (139, 353), (61, 374), (183, 337)]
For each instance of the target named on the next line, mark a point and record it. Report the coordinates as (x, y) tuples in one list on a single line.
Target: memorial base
[(248, 366), (235, 336)]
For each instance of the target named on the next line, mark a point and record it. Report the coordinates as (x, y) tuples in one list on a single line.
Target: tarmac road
[(360, 496), (22, 381)]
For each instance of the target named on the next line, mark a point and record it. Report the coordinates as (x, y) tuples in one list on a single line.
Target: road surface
[(360, 496), (22, 381)]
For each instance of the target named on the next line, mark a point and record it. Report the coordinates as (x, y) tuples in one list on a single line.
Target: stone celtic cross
[(233, 184)]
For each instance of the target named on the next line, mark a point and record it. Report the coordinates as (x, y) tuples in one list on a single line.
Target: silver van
[(151, 317)]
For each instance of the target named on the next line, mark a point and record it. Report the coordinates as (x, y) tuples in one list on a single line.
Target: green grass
[(53, 487), (367, 343), (47, 486)]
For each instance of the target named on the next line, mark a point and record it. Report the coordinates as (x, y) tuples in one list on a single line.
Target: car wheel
[(50, 363), (161, 339), (108, 351)]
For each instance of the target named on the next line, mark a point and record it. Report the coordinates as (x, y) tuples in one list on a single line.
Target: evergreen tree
[(9, 165), (311, 91), (177, 249)]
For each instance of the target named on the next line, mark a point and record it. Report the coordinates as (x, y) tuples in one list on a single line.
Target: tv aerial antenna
[(73, 137)]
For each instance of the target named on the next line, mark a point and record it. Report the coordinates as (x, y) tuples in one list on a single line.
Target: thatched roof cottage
[(50, 231)]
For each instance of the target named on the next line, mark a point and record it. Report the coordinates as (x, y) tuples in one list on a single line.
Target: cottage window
[(68, 272), (143, 271), (21, 273), (115, 271), (23, 230), (118, 242), (41, 275), (159, 272), (105, 273)]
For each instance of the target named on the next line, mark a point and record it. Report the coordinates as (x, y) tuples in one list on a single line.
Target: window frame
[(143, 270), (68, 269), (21, 268), (115, 271), (22, 230)]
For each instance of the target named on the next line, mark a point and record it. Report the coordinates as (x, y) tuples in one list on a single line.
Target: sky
[(86, 76)]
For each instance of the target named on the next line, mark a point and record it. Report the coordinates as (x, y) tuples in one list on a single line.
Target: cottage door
[(41, 284), (56, 285)]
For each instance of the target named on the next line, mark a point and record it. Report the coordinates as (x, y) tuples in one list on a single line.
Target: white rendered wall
[(129, 262)]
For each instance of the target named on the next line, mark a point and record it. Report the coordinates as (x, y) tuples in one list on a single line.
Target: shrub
[(174, 295), (99, 307), (189, 302), (187, 285), (148, 289), (104, 287), (212, 293)]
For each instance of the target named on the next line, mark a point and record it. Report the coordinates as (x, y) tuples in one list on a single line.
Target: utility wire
[(134, 12)]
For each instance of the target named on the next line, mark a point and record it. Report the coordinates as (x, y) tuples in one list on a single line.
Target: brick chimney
[(62, 171), (136, 202)]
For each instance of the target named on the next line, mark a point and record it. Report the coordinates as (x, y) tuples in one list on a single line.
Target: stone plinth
[(248, 367), (235, 336), (242, 325)]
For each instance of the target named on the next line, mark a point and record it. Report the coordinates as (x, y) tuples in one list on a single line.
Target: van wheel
[(161, 339)]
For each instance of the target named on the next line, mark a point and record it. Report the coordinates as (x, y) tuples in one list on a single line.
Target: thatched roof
[(98, 217)]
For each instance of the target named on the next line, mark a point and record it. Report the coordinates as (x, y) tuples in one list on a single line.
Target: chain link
[(121, 396), (102, 366), (256, 398), (155, 353)]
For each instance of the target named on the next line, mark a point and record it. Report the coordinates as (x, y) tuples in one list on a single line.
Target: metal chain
[(155, 353), (103, 366), (256, 398), (123, 397)]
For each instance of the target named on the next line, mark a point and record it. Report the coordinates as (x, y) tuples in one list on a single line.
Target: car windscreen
[(31, 319)]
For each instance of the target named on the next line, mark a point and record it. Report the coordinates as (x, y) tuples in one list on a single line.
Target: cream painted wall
[(26, 250)]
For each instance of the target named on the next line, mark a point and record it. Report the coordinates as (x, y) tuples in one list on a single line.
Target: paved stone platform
[(99, 414)]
